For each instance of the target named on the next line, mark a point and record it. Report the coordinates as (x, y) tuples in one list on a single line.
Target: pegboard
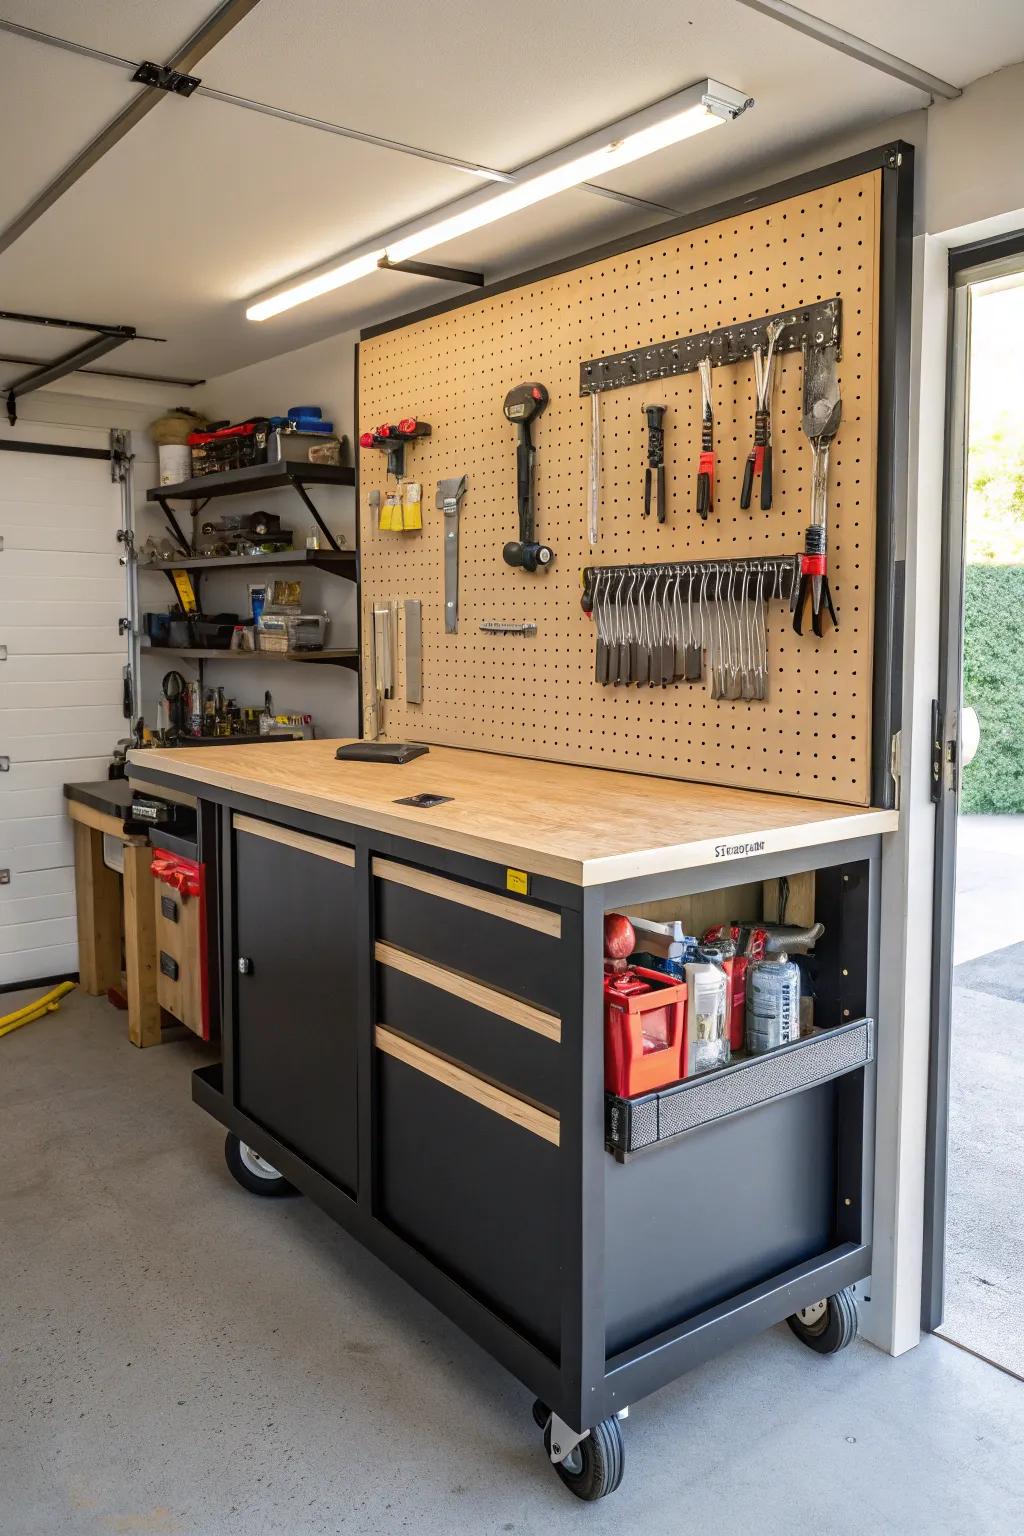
[(536, 697)]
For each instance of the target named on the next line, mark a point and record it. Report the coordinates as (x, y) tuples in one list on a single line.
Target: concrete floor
[(984, 1290), (183, 1359)]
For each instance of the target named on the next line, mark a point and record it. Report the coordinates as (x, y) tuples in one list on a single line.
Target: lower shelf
[(632, 1125)]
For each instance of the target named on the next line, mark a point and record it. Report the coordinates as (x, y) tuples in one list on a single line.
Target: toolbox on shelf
[(644, 1030)]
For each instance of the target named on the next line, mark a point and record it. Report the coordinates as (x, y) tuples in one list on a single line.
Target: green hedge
[(994, 685)]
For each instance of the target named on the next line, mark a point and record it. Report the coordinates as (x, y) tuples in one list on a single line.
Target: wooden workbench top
[(582, 825)]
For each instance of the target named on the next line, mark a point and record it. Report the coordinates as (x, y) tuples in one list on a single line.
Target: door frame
[(968, 265)]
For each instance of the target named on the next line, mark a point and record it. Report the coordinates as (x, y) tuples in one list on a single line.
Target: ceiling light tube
[(677, 117)]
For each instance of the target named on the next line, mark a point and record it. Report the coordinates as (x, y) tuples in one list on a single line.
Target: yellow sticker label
[(517, 880)]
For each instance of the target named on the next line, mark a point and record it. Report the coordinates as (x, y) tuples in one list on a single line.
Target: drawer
[(469, 1176), (510, 944), (513, 1043)]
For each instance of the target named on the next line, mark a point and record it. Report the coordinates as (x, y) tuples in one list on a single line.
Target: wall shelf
[(253, 477), (340, 562), (339, 657)]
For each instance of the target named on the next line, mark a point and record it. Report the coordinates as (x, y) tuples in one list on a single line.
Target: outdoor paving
[(984, 1304)]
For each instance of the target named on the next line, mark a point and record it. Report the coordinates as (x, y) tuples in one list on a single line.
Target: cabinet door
[(295, 1051)]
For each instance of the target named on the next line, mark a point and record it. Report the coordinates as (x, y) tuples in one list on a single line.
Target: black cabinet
[(294, 986)]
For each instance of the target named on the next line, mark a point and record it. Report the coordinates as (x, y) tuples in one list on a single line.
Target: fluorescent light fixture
[(313, 287), (679, 117)]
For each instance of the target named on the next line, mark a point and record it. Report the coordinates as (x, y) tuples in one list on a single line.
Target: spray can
[(773, 1004)]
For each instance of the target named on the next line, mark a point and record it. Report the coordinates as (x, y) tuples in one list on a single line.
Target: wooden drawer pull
[(506, 1007), (539, 1121), (537, 918), (301, 840)]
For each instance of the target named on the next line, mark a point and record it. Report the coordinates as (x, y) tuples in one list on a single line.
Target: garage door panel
[(62, 593), (30, 831), (28, 777), (47, 960), (37, 884), (37, 856), (57, 641), (53, 930), (47, 749), (27, 911), (58, 537), (103, 693), (89, 593), (20, 725), (82, 667), (43, 565)]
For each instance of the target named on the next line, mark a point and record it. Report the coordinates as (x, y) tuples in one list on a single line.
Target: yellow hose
[(48, 1003)]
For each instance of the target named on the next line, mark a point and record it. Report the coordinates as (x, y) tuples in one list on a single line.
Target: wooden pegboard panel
[(537, 697)]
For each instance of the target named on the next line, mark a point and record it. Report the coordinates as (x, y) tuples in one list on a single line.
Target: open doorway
[(978, 1296)]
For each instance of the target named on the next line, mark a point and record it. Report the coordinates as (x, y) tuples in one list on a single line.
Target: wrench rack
[(687, 622), (779, 569), (816, 324)]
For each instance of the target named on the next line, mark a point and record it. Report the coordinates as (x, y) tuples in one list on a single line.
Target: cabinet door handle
[(244, 966)]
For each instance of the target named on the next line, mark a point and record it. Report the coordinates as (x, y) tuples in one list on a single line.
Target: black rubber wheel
[(594, 1468), (828, 1326), (253, 1172), (541, 1413)]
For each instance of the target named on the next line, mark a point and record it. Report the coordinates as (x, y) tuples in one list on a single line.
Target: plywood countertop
[(582, 825)]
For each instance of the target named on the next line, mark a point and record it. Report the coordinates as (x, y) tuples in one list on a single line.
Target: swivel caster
[(252, 1171), (592, 1465), (827, 1326)]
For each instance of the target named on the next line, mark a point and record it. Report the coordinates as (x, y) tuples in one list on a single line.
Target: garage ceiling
[(203, 205)]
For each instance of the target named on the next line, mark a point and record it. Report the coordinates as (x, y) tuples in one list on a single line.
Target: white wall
[(321, 374)]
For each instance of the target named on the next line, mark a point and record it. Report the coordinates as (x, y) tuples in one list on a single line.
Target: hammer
[(522, 406)]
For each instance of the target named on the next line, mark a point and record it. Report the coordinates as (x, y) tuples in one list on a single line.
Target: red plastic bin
[(644, 1031)]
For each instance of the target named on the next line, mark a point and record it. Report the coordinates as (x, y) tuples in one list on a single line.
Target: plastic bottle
[(773, 1004), (707, 1021)]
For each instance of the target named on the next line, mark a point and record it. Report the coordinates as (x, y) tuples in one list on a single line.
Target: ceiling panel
[(51, 104), (133, 29), (204, 205), (941, 36)]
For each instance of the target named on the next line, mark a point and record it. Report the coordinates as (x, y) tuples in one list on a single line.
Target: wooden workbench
[(107, 904), (585, 826), (412, 1011)]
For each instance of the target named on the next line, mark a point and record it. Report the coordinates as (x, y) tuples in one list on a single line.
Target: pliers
[(759, 460)]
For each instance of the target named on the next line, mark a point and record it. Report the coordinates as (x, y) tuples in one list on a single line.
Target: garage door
[(62, 591)]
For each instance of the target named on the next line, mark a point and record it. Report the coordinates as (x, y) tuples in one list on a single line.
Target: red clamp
[(180, 874)]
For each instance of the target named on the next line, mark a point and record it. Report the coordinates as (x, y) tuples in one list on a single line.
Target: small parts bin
[(644, 1031)]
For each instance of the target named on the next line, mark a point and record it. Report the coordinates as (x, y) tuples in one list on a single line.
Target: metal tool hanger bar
[(818, 324), (785, 567)]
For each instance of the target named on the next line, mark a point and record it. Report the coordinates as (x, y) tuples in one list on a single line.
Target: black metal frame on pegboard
[(816, 325)]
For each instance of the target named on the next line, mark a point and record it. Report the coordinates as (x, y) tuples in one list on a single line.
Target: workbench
[(413, 1037), (107, 904)]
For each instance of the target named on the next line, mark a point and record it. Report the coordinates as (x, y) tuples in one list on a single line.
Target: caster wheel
[(827, 1326), (252, 1171), (541, 1413), (593, 1469)]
